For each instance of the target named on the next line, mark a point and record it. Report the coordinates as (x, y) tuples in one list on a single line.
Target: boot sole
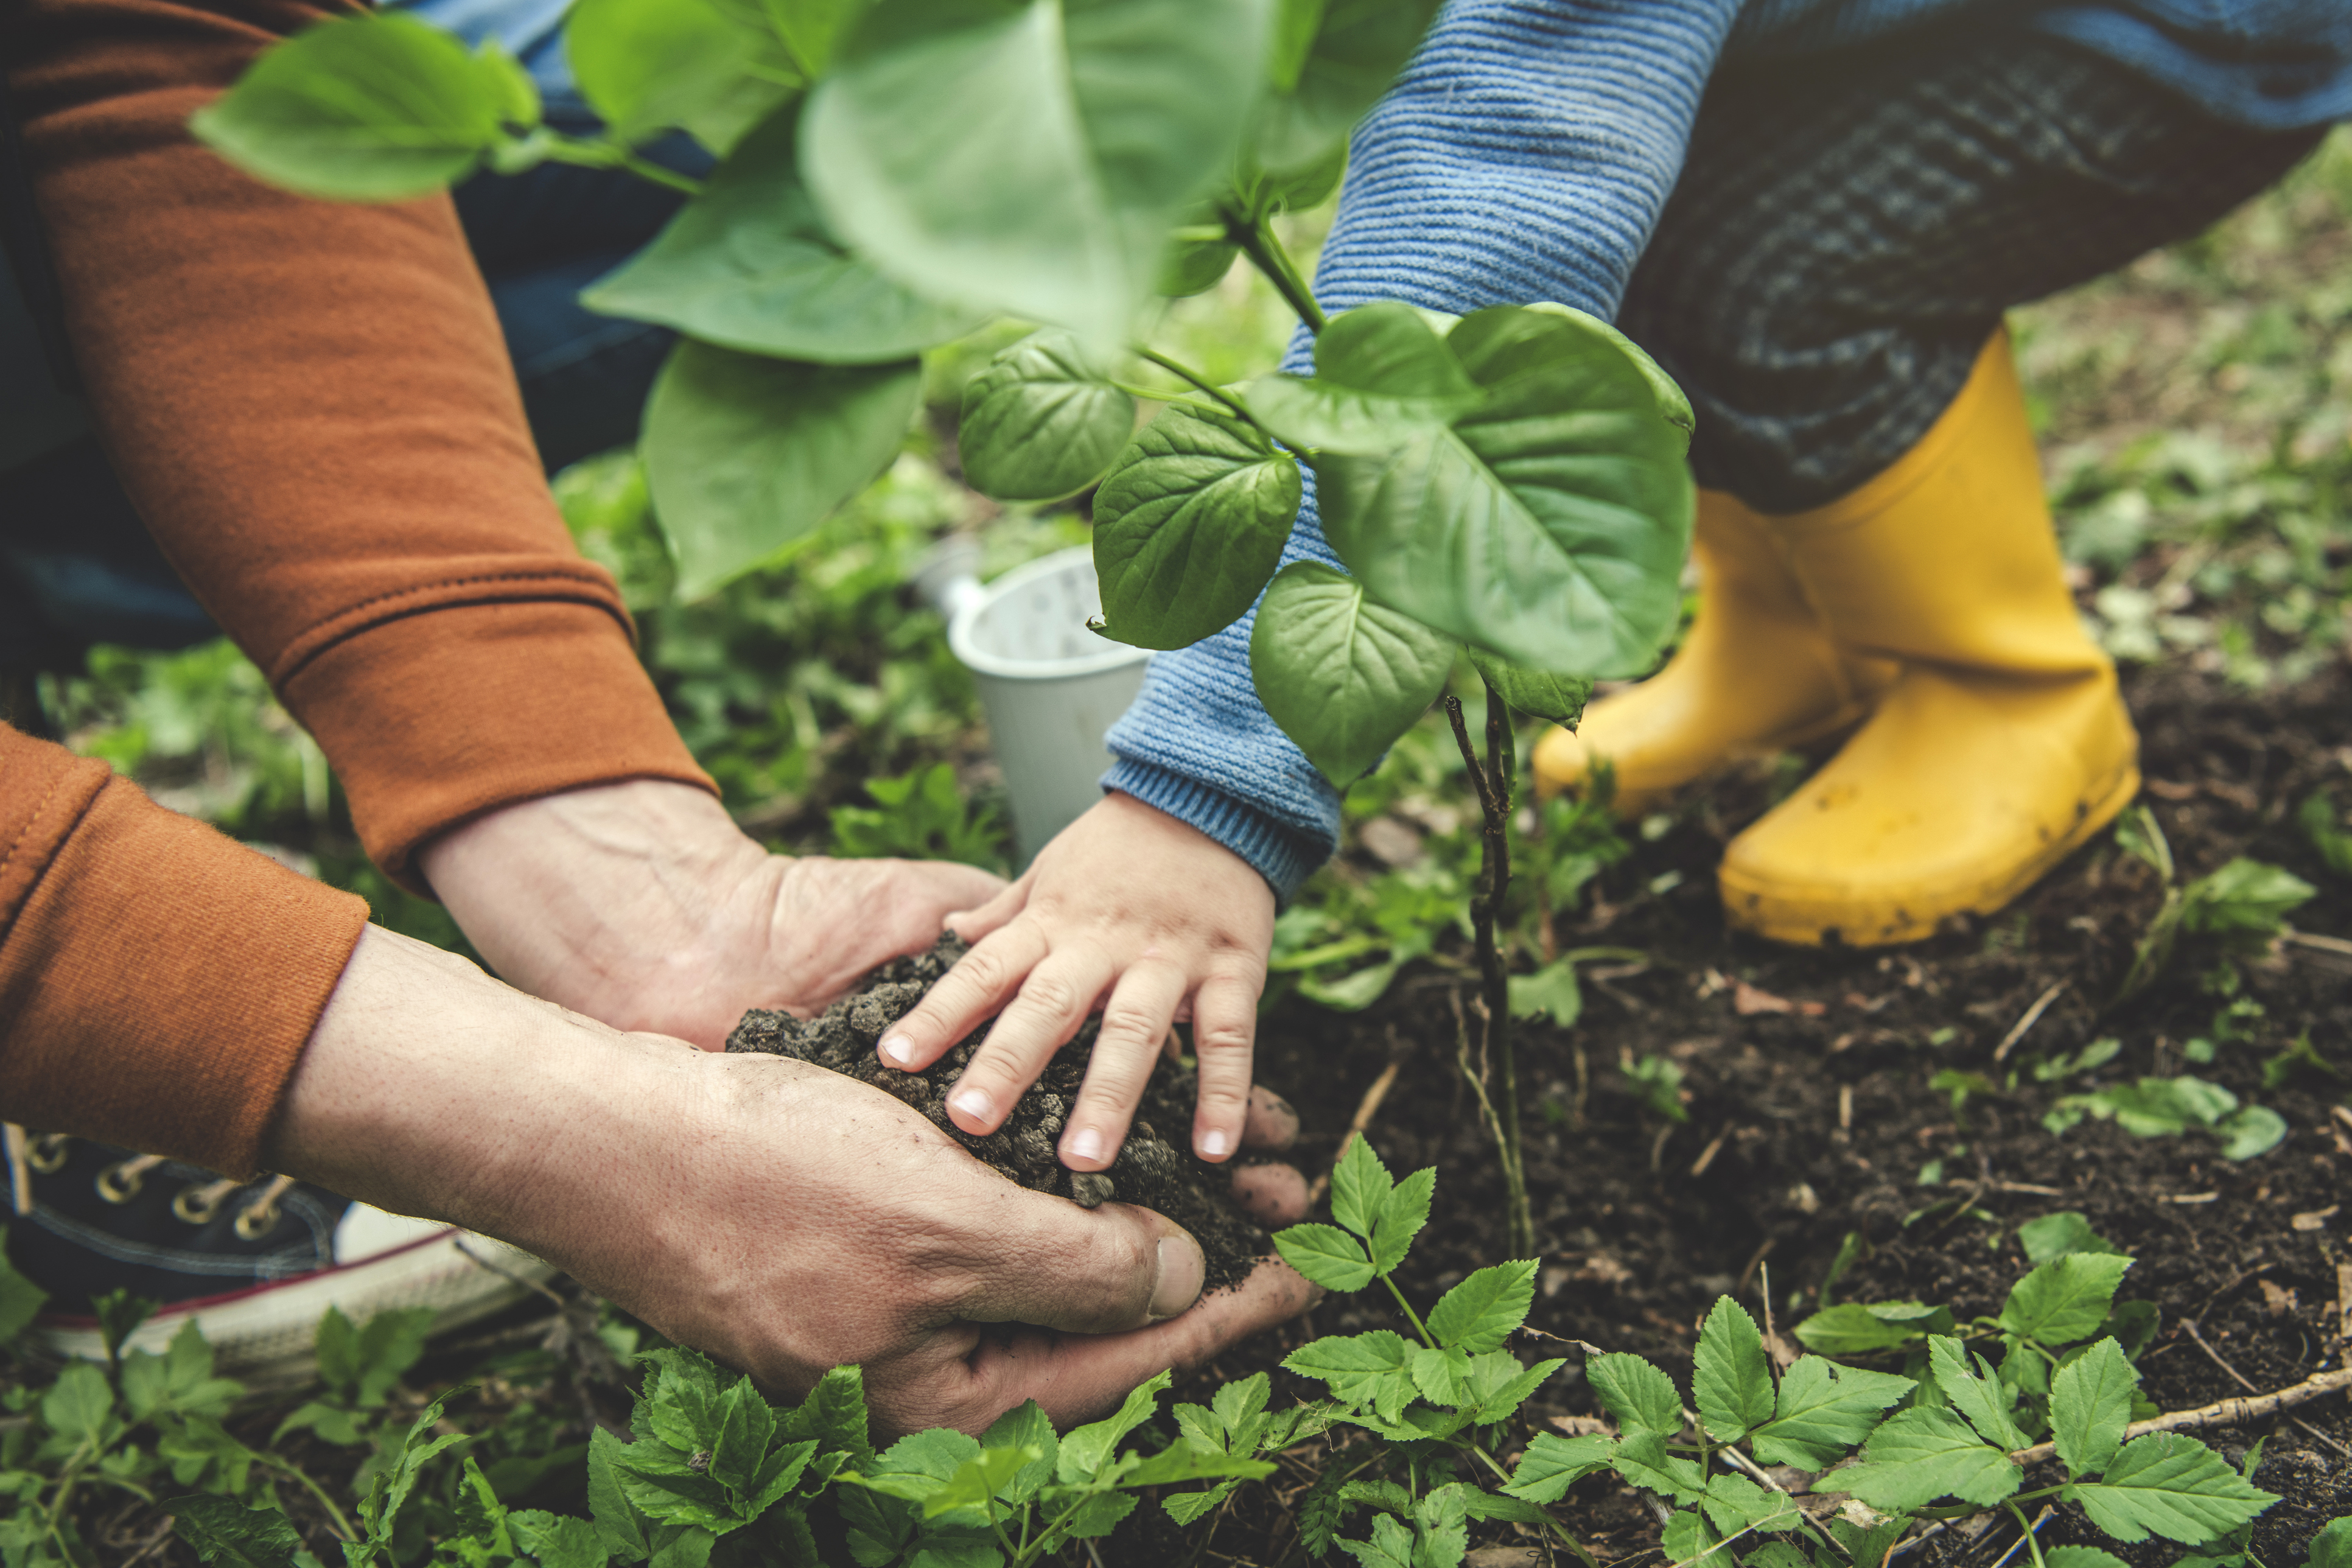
[(1813, 922)]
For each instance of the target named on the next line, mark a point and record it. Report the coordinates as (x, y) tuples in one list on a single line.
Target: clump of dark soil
[(1153, 1171)]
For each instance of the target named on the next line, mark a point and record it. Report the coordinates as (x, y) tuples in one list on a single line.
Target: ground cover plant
[(1710, 1116)]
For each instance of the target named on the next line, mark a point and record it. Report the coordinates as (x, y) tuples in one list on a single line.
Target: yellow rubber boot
[(2002, 745), (1756, 674)]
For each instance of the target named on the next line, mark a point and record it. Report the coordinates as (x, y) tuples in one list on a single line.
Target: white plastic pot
[(1052, 689)]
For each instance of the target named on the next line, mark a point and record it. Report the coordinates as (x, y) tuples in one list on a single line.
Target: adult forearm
[(310, 402)]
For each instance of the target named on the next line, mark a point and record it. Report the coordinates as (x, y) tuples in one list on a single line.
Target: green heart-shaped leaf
[(1188, 526), (1039, 424), (1343, 674)]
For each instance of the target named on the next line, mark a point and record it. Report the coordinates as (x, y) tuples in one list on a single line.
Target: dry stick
[(2240, 1379), (2314, 940), (2033, 1017), (1845, 1107), (2221, 1413), (1366, 1109)]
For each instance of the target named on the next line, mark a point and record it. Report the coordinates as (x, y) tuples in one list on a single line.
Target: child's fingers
[(1224, 1035), (980, 983), (1054, 999), (1134, 1023)]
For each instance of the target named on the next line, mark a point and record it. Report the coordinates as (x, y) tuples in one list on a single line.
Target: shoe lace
[(119, 1182)]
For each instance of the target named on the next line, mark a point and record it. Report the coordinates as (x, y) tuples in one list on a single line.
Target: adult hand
[(782, 1217), (642, 904), (1131, 911)]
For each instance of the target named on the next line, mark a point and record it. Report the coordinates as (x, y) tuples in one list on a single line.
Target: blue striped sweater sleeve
[(1523, 155)]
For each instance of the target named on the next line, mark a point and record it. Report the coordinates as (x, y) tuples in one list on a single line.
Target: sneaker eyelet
[(48, 1152), (197, 1205), (255, 1223), (121, 1183)]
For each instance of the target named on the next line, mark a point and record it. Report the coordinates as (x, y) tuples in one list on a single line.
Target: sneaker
[(255, 1265)]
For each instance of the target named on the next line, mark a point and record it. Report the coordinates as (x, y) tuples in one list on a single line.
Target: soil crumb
[(1153, 1170)]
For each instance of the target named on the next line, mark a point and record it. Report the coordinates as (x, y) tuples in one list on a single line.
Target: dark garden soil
[(1809, 1117), (1149, 1171)]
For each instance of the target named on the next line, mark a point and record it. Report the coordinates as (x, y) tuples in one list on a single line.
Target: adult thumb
[(1087, 1271)]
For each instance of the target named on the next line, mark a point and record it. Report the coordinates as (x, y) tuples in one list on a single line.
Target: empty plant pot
[(1052, 689)]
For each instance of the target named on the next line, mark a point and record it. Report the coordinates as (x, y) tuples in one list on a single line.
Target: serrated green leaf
[(1359, 1185), (374, 107), (2056, 1235), (1868, 1548), (1189, 525), (1483, 1311), (1637, 1395), (835, 1415), (1442, 1374), (1499, 1385), (619, 1525), (1548, 524), (2254, 1129), (746, 454), (979, 1478), (1778, 1554), (557, 1541), (2065, 1299), (1553, 989), (2090, 1405), (646, 66), (2168, 1484), (1239, 1403), (2332, 1547), (2088, 1557), (1031, 156), (1552, 1464), (1087, 1449), (1371, 1369), (1973, 1392), (231, 1535), (1825, 1412), (1641, 1459), (1402, 1212), (750, 265), (1853, 1329), (1391, 1545), (1326, 1255), (1040, 423), (1918, 1455), (1024, 1427), (1729, 1377), (1341, 673), (1733, 1503), (1689, 1540), (1184, 1461), (1190, 1507)]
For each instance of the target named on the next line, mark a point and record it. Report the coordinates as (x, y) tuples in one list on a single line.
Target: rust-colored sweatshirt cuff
[(434, 719), (158, 981)]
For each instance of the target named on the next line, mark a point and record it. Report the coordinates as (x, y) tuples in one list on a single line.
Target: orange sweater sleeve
[(311, 405), (157, 980)]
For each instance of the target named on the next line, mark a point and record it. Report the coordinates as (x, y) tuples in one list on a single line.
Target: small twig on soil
[(1755, 1262), (2240, 1379), (2221, 1413), (1707, 1155), (2312, 939), (2033, 1017), (2028, 1187), (2188, 1198), (2343, 1308), (1366, 1109), (1845, 1107)]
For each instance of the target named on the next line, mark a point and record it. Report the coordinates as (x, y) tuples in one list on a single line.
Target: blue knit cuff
[(1273, 851)]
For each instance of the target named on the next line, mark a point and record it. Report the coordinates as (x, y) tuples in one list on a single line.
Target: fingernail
[(1086, 1143), (899, 1050), (1215, 1144), (1182, 1270), (973, 1104)]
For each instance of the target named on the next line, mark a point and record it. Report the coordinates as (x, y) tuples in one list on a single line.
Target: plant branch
[(1409, 1315), (611, 155), (2221, 1413), (1178, 368), (1258, 242), (1492, 780)]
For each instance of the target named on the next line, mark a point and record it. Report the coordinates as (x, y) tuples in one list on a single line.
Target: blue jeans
[(77, 564)]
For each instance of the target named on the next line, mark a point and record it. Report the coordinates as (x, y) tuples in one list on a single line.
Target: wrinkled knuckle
[(1052, 995), (1221, 1039), (983, 971), (1125, 1025)]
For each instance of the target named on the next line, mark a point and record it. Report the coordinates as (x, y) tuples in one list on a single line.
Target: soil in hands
[(1155, 1168)]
